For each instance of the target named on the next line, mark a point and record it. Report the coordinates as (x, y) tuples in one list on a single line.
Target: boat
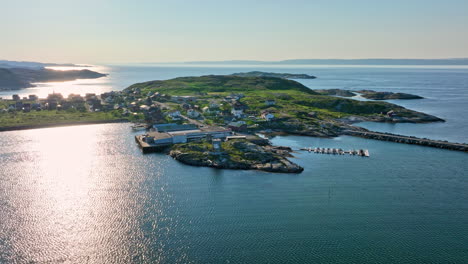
[(366, 153)]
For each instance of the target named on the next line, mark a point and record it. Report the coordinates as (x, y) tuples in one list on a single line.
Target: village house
[(210, 111), (144, 107), (16, 97), (90, 96), (213, 105), (175, 115), (238, 109), (237, 126), (33, 97), (270, 102), (36, 107), (18, 105), (26, 107), (237, 112), (216, 145), (267, 116), (75, 98), (193, 113)]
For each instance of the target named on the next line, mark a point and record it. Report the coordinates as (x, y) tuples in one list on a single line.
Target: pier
[(338, 151)]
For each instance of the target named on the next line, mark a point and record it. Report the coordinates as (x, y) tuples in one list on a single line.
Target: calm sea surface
[(87, 194)]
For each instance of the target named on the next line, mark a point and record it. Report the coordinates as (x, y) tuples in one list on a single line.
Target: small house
[(268, 116), (192, 113), (175, 115), (237, 126), (216, 144), (237, 112), (270, 102)]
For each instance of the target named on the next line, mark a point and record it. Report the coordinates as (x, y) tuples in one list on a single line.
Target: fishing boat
[(366, 153)]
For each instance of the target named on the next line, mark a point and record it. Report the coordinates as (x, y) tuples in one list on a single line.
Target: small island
[(274, 74), (369, 94), (19, 78), (243, 154)]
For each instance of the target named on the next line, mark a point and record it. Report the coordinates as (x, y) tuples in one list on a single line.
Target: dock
[(149, 147), (338, 151)]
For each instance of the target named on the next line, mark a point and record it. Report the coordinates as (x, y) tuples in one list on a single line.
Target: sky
[(124, 31)]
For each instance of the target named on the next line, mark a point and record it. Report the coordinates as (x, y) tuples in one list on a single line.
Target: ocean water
[(86, 194)]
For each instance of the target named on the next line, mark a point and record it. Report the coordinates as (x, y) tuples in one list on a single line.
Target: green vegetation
[(274, 74), (291, 106), (291, 96), (236, 154), (296, 108), (212, 84)]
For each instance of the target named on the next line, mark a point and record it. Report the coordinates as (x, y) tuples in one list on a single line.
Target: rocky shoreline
[(409, 140)]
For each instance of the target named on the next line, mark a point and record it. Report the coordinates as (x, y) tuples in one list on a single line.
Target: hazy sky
[(120, 31)]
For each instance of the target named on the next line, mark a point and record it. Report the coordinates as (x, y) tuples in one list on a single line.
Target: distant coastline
[(382, 62)]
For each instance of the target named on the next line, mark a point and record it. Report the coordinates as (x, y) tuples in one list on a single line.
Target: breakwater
[(408, 140)]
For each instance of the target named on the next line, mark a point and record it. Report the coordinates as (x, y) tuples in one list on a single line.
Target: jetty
[(408, 140), (338, 151)]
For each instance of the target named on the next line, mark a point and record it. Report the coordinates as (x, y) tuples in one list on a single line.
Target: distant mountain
[(30, 64), (458, 61)]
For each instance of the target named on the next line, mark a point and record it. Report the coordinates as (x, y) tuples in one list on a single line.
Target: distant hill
[(30, 64), (18, 78), (457, 61), (222, 83), (9, 80)]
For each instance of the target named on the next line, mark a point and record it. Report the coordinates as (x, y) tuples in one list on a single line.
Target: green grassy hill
[(292, 98), (223, 84)]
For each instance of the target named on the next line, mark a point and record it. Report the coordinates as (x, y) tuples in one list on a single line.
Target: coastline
[(65, 124)]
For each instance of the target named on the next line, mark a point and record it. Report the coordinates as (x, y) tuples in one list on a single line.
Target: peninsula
[(19, 78)]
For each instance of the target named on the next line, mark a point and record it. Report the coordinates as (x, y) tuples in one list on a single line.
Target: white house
[(174, 115), (144, 107), (213, 105), (237, 112), (268, 116)]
